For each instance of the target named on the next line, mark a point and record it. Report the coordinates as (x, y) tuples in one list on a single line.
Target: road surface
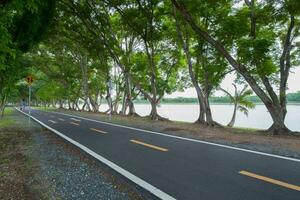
[(177, 168)]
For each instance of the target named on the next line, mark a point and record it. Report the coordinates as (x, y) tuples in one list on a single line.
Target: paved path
[(176, 168)]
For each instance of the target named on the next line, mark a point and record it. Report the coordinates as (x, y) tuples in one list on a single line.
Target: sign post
[(29, 99), (29, 80)]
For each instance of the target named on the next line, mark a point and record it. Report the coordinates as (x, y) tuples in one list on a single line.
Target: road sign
[(29, 79)]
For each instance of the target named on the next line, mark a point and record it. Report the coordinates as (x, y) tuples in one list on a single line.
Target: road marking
[(54, 122), (147, 186), (77, 120), (97, 130), (149, 145), (61, 119), (183, 138), (74, 123), (270, 180), (52, 116)]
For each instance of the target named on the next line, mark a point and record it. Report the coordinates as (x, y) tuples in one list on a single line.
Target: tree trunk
[(208, 115), (85, 85), (150, 56), (94, 105), (2, 106), (278, 115), (69, 104), (153, 114), (109, 100), (83, 106), (76, 105), (232, 121), (201, 116), (124, 105), (60, 103), (129, 98), (116, 103), (185, 44)]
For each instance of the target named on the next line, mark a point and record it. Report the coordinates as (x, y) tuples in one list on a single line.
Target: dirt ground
[(17, 169), (238, 137)]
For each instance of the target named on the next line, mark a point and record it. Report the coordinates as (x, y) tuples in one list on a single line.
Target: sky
[(293, 85)]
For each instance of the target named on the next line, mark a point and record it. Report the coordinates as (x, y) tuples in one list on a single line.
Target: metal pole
[(29, 100)]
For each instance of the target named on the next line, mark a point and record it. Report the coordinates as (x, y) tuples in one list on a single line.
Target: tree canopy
[(85, 51)]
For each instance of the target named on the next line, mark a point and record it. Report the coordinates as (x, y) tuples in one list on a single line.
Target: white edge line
[(77, 120), (183, 138), (155, 191)]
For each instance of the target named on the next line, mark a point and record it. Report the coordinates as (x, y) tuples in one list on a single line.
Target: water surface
[(257, 118)]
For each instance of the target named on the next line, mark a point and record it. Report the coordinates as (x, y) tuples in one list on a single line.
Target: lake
[(257, 118)]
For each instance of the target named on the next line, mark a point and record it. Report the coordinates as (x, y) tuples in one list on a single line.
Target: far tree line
[(291, 98), (120, 51)]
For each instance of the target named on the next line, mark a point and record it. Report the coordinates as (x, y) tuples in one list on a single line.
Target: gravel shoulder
[(36, 164), (238, 137)]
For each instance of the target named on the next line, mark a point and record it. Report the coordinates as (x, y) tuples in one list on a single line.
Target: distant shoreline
[(213, 103)]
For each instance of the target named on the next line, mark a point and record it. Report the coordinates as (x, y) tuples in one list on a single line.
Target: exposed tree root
[(157, 117), (273, 130), (134, 115), (212, 124)]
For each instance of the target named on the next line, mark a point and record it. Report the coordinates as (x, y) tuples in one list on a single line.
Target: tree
[(206, 67), (257, 58), (156, 59), (240, 101), (22, 25)]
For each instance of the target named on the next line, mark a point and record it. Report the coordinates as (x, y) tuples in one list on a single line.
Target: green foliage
[(22, 25), (75, 48)]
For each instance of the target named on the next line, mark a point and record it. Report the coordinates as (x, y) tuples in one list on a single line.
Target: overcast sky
[(293, 85)]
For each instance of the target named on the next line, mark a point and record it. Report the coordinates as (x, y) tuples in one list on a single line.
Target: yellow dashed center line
[(270, 180), (74, 123), (97, 130), (61, 119), (149, 145)]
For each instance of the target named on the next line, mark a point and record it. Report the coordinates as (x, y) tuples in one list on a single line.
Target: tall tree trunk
[(76, 105), (85, 86), (153, 114), (208, 114), (2, 105), (53, 103), (93, 105), (60, 103), (129, 101), (278, 115), (124, 104), (153, 100), (201, 116), (232, 121), (108, 96), (69, 104), (185, 44)]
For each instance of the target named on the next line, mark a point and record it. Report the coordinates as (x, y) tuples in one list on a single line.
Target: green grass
[(6, 123), (9, 110)]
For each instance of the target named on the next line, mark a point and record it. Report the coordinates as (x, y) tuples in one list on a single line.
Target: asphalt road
[(181, 168)]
